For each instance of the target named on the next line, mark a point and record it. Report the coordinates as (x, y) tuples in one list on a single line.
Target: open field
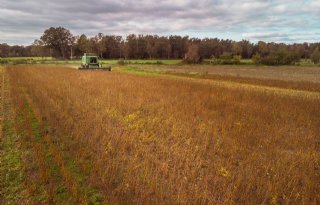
[(76, 61), (160, 135), (283, 73), (50, 60)]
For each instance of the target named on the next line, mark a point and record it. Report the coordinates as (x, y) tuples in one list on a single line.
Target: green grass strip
[(61, 193), (11, 165), (92, 195)]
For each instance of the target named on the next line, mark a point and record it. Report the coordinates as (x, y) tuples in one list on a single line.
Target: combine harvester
[(90, 61)]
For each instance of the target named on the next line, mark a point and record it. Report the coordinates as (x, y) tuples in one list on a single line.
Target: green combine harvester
[(90, 61)]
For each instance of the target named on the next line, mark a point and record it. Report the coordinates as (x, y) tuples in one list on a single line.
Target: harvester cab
[(91, 61)]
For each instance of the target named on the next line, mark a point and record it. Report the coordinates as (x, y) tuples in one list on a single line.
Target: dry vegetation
[(280, 73), (158, 140)]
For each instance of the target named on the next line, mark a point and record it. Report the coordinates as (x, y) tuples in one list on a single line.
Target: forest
[(60, 43)]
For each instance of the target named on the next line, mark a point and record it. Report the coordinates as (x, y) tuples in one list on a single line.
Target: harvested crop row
[(52, 179), (12, 176), (151, 140), (33, 169)]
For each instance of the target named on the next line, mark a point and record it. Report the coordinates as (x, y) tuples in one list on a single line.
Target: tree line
[(61, 43)]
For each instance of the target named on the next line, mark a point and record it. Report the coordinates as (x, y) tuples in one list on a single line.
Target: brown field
[(167, 139), (283, 73)]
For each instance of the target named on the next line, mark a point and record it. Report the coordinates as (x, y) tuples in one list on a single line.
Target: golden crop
[(158, 140)]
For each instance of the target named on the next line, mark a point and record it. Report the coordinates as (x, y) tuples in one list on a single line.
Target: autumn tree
[(83, 44), (192, 55), (246, 49), (131, 46), (59, 39), (236, 48), (100, 42), (161, 47), (262, 48), (4, 50), (38, 49), (62, 43), (151, 40), (113, 46)]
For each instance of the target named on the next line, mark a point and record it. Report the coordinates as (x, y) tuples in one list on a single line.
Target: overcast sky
[(23, 21)]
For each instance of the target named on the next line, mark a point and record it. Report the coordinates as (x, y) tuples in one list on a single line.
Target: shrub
[(121, 61), (20, 61), (280, 58), (226, 58), (4, 61), (315, 56), (256, 59), (236, 59), (214, 60)]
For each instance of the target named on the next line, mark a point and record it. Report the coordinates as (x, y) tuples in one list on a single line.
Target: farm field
[(160, 134), (53, 61), (282, 73)]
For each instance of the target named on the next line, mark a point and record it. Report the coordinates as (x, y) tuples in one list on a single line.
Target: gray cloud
[(283, 37), (23, 21)]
